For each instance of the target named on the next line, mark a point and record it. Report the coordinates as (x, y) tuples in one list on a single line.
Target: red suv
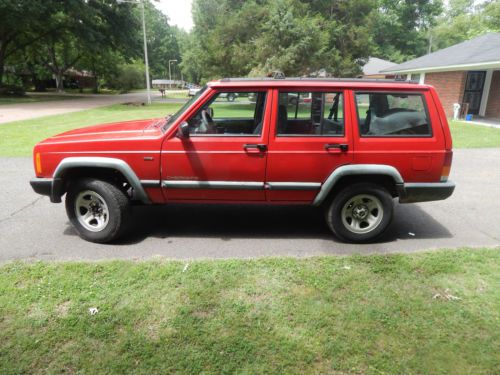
[(352, 148)]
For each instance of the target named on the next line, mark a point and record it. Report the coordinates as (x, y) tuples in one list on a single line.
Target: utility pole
[(146, 52)]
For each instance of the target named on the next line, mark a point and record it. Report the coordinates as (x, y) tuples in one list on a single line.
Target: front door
[(310, 138), (474, 90), (224, 157)]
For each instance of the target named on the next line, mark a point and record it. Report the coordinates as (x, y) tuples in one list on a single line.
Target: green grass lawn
[(467, 135), (18, 138), (393, 314)]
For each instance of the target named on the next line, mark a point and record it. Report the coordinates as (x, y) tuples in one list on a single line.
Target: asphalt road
[(31, 228)]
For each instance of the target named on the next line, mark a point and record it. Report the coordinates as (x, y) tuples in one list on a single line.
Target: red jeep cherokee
[(350, 146)]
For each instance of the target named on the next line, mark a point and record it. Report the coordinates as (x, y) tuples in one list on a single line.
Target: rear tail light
[(445, 172)]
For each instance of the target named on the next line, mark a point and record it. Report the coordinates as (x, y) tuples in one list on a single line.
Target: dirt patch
[(63, 308), (201, 314)]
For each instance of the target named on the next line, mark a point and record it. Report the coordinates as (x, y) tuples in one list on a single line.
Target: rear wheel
[(360, 212), (97, 209)]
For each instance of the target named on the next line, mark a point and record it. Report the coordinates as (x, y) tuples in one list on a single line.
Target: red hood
[(112, 131)]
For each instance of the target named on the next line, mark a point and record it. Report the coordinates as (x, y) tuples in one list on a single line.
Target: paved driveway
[(34, 229)]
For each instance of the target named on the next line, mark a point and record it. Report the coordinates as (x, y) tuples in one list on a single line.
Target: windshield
[(171, 119)]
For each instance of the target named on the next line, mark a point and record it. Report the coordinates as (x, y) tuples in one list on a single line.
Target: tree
[(191, 58), (224, 32), (289, 43), (61, 32), (400, 28), (162, 41), (462, 21), (235, 38), (21, 24)]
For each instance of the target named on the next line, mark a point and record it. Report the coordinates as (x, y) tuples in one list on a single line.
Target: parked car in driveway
[(193, 90), (351, 149)]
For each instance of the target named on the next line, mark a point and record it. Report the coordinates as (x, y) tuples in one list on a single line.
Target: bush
[(12, 90), (128, 77)]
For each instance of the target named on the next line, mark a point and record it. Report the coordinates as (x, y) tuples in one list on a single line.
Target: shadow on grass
[(229, 222)]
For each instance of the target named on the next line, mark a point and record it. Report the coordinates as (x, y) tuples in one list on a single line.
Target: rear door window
[(310, 114), (392, 115)]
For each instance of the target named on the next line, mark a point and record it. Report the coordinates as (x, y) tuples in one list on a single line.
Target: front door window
[(230, 114)]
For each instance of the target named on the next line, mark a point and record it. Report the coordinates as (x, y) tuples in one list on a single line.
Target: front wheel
[(360, 212), (97, 209)]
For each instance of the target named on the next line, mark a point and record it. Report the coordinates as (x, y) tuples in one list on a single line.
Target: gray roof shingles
[(375, 65), (485, 48)]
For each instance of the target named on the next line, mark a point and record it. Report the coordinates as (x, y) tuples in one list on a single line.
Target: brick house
[(467, 73)]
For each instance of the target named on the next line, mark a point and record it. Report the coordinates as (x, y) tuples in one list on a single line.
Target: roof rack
[(258, 79)]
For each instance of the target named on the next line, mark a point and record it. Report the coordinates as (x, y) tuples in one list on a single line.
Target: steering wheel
[(208, 122)]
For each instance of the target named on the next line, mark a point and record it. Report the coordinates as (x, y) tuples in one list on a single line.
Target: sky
[(178, 11)]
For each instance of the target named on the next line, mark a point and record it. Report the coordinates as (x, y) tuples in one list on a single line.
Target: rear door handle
[(342, 147), (259, 146)]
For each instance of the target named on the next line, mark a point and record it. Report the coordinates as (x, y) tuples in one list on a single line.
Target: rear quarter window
[(382, 114)]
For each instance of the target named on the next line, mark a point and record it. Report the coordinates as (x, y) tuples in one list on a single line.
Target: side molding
[(96, 162), (227, 185), (350, 170)]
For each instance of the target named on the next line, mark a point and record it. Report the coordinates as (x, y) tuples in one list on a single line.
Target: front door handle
[(259, 146), (342, 147)]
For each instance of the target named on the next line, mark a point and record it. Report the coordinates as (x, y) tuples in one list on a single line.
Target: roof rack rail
[(257, 79)]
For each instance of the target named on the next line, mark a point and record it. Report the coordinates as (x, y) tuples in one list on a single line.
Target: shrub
[(128, 77), (12, 90)]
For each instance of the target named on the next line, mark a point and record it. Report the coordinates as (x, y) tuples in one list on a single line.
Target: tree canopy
[(43, 39)]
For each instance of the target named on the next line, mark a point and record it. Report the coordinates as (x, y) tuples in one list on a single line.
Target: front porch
[(481, 94), (476, 91)]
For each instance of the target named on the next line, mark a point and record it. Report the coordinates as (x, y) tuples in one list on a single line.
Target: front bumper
[(51, 187), (42, 186), (425, 192)]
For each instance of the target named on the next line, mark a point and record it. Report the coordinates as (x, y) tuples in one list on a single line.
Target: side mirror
[(183, 130)]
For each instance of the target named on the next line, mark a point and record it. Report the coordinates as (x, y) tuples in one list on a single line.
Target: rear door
[(399, 128), (310, 137)]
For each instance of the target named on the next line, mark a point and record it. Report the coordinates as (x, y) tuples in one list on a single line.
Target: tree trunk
[(96, 84), (1, 72), (2, 61), (59, 81)]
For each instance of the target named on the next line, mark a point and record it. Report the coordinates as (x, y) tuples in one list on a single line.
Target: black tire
[(360, 199), (116, 202)]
